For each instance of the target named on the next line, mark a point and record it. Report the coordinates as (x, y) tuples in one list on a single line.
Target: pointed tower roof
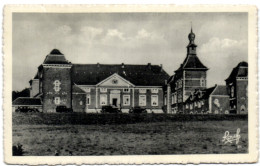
[(55, 57), (192, 61)]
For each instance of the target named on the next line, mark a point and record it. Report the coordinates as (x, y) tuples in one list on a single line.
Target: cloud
[(221, 56), (92, 32), (146, 35), (64, 29), (143, 34), (222, 45)]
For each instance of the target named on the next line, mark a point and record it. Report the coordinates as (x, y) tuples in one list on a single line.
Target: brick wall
[(219, 104), (50, 74), (79, 102), (241, 95)]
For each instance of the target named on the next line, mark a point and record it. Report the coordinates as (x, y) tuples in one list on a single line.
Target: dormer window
[(155, 90), (56, 85), (103, 89), (142, 90)]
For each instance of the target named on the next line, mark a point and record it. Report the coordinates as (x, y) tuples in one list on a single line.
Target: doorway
[(114, 101)]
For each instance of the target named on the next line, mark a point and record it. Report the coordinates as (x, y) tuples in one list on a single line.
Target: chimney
[(98, 65), (161, 67), (149, 65), (123, 65), (165, 82)]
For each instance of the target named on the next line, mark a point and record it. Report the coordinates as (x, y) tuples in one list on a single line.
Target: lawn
[(175, 137)]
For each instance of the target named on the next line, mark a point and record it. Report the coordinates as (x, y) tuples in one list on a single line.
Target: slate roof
[(139, 75), (55, 57), (241, 70), (27, 101), (77, 89), (192, 62), (220, 90), (207, 92), (215, 90)]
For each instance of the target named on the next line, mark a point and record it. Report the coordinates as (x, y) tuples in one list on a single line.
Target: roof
[(220, 90), (76, 89), (202, 94), (241, 70), (205, 94), (139, 75), (208, 92), (27, 101), (192, 62), (55, 57)]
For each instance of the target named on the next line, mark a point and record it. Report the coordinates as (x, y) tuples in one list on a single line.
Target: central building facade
[(88, 87)]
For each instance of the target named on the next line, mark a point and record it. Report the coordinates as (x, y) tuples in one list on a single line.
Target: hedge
[(83, 118)]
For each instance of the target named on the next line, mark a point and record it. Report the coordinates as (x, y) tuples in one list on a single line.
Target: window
[(199, 104), (191, 107), (56, 85), (180, 84), (142, 100), (126, 99), (202, 102), (154, 100), (232, 91), (142, 90), (155, 90), (195, 104), (127, 90), (57, 100), (88, 100), (103, 99), (103, 89), (202, 82), (80, 103), (187, 106), (173, 97)]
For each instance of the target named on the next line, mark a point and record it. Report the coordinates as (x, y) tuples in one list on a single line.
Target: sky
[(130, 38)]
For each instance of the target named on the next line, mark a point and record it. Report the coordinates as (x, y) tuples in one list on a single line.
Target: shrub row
[(83, 118)]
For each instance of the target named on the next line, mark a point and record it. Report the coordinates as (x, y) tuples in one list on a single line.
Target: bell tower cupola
[(191, 48)]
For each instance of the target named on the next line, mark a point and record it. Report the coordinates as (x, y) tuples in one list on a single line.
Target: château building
[(88, 87)]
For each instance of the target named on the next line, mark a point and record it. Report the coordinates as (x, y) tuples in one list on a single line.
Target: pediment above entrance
[(115, 80)]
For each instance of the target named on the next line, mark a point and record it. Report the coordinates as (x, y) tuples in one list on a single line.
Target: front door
[(114, 101)]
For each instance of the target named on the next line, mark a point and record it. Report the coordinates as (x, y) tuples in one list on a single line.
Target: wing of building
[(237, 86), (88, 87)]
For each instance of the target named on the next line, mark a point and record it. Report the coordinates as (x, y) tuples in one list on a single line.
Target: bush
[(18, 150)]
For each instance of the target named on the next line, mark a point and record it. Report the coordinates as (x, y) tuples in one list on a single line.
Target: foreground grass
[(195, 137)]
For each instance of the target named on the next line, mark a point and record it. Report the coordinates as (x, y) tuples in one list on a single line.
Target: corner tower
[(55, 81), (190, 76)]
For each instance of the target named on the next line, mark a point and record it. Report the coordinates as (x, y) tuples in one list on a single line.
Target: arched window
[(56, 85)]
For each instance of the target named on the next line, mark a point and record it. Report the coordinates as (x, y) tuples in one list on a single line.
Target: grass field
[(175, 137)]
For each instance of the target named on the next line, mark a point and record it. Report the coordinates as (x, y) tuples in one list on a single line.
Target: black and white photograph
[(130, 83)]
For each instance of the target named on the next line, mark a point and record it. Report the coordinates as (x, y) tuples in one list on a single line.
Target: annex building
[(88, 87), (187, 91)]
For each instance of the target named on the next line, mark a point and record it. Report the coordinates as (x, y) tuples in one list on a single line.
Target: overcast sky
[(140, 38)]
